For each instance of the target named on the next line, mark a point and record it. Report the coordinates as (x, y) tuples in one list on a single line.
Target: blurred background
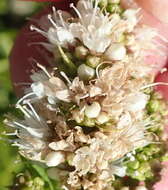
[(13, 15)]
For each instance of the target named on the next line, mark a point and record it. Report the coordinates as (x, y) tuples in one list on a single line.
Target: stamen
[(61, 19), (20, 125), (139, 18), (20, 145), (10, 134), (28, 111), (163, 70), (24, 97), (32, 131), (33, 28), (33, 110), (162, 38), (44, 69), (94, 11), (159, 44), (154, 84), (23, 110), (84, 96), (48, 46), (76, 10), (97, 68), (52, 21), (65, 77), (54, 12)]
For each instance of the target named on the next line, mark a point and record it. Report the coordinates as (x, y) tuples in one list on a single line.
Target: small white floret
[(54, 159), (116, 52), (60, 36), (93, 110)]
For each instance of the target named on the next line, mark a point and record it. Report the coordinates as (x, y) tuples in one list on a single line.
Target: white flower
[(94, 28), (58, 33), (32, 132)]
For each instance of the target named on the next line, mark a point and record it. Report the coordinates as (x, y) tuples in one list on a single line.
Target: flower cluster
[(88, 117)]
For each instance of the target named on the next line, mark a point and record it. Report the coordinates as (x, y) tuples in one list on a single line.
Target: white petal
[(38, 89), (93, 110), (116, 52), (136, 102), (54, 159)]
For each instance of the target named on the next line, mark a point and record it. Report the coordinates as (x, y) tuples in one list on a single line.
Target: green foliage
[(10, 22)]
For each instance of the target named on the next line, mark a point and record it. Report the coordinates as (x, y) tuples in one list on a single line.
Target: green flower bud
[(70, 158), (38, 182), (114, 1), (93, 61), (164, 158), (142, 157), (85, 72), (81, 52), (133, 164), (153, 106), (122, 38), (113, 8), (144, 167), (148, 174), (103, 3)]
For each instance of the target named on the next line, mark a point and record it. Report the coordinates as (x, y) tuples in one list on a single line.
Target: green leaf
[(42, 172)]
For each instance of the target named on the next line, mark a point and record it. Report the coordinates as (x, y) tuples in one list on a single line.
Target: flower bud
[(102, 118), (114, 1), (141, 188), (93, 110), (81, 52), (116, 52), (70, 158), (54, 159), (133, 164), (153, 106), (93, 61), (85, 72), (103, 3), (124, 188), (113, 8)]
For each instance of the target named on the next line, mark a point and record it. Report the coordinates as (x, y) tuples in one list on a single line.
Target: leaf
[(41, 171)]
